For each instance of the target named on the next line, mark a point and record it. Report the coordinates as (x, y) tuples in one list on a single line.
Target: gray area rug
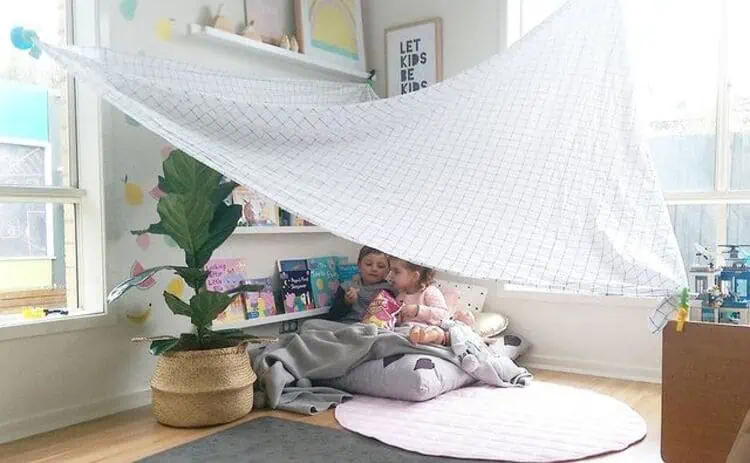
[(271, 440)]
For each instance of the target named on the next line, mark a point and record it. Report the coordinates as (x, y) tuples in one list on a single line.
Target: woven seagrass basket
[(202, 387)]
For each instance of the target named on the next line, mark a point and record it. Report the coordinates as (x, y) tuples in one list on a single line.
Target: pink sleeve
[(434, 309)]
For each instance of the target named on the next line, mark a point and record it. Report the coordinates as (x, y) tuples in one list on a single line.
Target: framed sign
[(332, 31), (413, 56)]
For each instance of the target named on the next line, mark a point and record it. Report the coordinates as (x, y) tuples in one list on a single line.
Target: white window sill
[(63, 324)]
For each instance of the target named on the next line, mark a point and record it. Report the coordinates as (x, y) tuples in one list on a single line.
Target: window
[(694, 81), (48, 202)]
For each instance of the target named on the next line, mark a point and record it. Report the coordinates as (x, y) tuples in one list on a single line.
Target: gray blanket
[(323, 349)]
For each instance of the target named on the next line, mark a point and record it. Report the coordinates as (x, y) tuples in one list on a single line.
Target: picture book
[(257, 210), (324, 279), (346, 273), (295, 291), (226, 274), (260, 304), (292, 265)]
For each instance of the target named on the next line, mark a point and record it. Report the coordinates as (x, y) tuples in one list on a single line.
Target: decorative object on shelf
[(413, 56), (257, 210), (284, 42), (250, 32), (271, 50), (293, 44), (221, 22), (331, 30), (203, 377), (273, 18)]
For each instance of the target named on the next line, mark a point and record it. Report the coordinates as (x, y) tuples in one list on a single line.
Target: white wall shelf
[(273, 52), (271, 319), (270, 230)]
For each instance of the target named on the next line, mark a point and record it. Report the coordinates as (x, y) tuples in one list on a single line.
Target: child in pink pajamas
[(423, 305)]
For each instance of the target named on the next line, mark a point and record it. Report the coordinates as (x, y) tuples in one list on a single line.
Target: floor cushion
[(509, 345), (412, 377)]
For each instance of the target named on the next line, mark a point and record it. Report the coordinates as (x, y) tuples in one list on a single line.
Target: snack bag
[(382, 310)]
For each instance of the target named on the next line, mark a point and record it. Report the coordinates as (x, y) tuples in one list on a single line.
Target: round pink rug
[(543, 422)]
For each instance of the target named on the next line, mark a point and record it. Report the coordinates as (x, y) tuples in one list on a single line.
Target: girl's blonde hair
[(426, 274)]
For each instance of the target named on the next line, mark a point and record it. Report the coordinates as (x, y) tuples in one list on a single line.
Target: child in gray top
[(350, 302)]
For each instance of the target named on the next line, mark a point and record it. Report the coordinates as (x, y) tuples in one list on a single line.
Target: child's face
[(373, 268), (403, 278)]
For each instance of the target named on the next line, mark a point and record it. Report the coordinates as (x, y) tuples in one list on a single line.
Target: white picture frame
[(344, 46), (413, 56)]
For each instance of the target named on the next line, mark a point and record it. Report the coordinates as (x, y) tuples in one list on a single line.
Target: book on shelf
[(291, 265), (296, 295), (287, 219), (257, 210), (223, 275), (260, 304), (324, 279)]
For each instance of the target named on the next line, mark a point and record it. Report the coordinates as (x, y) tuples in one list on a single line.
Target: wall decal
[(139, 316), (127, 9), (156, 192), (176, 286), (143, 241), (133, 193), (136, 269), (164, 29)]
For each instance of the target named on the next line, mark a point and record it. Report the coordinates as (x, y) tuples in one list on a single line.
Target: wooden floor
[(135, 434)]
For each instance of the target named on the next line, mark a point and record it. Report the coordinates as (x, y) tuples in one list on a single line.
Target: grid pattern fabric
[(527, 168)]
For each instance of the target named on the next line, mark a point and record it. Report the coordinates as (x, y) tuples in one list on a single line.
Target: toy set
[(721, 281)]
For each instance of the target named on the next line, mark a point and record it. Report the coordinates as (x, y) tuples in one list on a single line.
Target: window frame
[(721, 196), (84, 18)]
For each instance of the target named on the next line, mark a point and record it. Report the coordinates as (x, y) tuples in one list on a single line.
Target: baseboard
[(62, 417), (592, 368)]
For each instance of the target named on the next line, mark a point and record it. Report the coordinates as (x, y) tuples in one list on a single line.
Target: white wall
[(471, 30), (590, 335), (55, 380)]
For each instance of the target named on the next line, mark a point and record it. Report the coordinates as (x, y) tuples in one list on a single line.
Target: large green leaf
[(161, 346), (184, 174), (206, 306), (194, 277), (132, 282), (186, 218), (243, 289), (155, 228), (177, 306), (223, 224)]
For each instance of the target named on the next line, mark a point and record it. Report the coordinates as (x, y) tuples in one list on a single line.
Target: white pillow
[(489, 324), (460, 296)]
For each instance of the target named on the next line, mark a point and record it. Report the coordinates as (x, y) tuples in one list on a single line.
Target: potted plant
[(204, 377)]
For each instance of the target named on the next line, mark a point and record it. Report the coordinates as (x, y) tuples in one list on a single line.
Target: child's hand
[(409, 312), (351, 296)]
